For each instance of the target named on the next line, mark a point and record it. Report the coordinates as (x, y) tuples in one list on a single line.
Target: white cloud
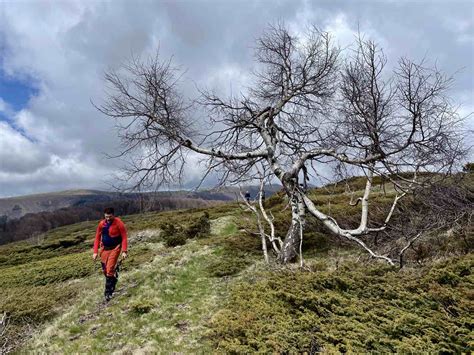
[(346, 32), (339, 27), (64, 48), (5, 108), (466, 111), (18, 155), (72, 44), (59, 174), (461, 27), (229, 79)]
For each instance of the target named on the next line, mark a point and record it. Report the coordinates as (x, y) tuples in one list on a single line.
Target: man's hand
[(94, 256), (124, 255)]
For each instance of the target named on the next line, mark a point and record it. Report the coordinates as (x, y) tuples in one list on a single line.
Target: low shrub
[(227, 265), (34, 303), (140, 307), (174, 235), (199, 228), (352, 309), (240, 244), (44, 272), (175, 240), (236, 253), (50, 246), (274, 200), (171, 235)]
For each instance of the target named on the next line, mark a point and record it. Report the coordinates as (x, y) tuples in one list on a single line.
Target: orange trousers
[(109, 259)]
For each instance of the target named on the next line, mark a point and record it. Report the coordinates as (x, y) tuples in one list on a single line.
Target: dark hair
[(109, 210)]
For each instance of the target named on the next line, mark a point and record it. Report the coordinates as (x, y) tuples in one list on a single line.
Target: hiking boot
[(109, 286), (113, 284)]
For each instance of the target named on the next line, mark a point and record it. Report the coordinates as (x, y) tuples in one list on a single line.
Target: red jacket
[(116, 229)]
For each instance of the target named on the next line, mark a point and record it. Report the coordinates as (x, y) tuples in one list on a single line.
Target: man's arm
[(97, 240), (123, 233)]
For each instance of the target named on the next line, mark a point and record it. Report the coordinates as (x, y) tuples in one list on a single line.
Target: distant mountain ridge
[(24, 217), (17, 207)]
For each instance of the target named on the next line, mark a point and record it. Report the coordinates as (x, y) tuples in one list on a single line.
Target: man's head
[(109, 214)]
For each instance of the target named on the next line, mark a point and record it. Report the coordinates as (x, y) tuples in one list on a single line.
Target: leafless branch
[(308, 105), (261, 229), (405, 248)]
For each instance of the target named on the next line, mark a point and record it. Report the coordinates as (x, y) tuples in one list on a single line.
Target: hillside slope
[(214, 294), (28, 216), (16, 207)]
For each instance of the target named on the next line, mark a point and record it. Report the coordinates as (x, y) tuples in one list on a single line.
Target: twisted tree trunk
[(292, 243)]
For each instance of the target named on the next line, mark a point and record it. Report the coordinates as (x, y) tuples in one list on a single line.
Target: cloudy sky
[(53, 55)]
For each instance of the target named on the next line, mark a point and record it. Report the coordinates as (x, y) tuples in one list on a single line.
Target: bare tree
[(309, 105)]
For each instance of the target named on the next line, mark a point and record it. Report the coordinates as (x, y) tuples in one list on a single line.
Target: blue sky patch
[(15, 92)]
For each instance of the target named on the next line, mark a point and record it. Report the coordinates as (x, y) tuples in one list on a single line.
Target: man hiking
[(247, 196), (111, 236)]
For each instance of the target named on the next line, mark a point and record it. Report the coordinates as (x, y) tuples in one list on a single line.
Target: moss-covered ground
[(214, 294)]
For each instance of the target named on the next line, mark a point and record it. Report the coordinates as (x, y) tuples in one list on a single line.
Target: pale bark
[(292, 241), (304, 108), (351, 235), (261, 229), (269, 220), (3, 328)]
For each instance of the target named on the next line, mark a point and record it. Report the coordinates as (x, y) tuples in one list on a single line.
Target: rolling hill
[(16, 207), (24, 217), (211, 292)]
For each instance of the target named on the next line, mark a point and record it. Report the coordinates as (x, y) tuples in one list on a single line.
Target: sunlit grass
[(162, 306), (215, 294)]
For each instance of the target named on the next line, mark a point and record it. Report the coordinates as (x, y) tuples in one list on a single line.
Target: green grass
[(41, 277), (214, 294), (162, 307)]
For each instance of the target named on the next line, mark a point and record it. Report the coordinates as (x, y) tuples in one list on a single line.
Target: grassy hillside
[(190, 291), (16, 207), (35, 214)]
